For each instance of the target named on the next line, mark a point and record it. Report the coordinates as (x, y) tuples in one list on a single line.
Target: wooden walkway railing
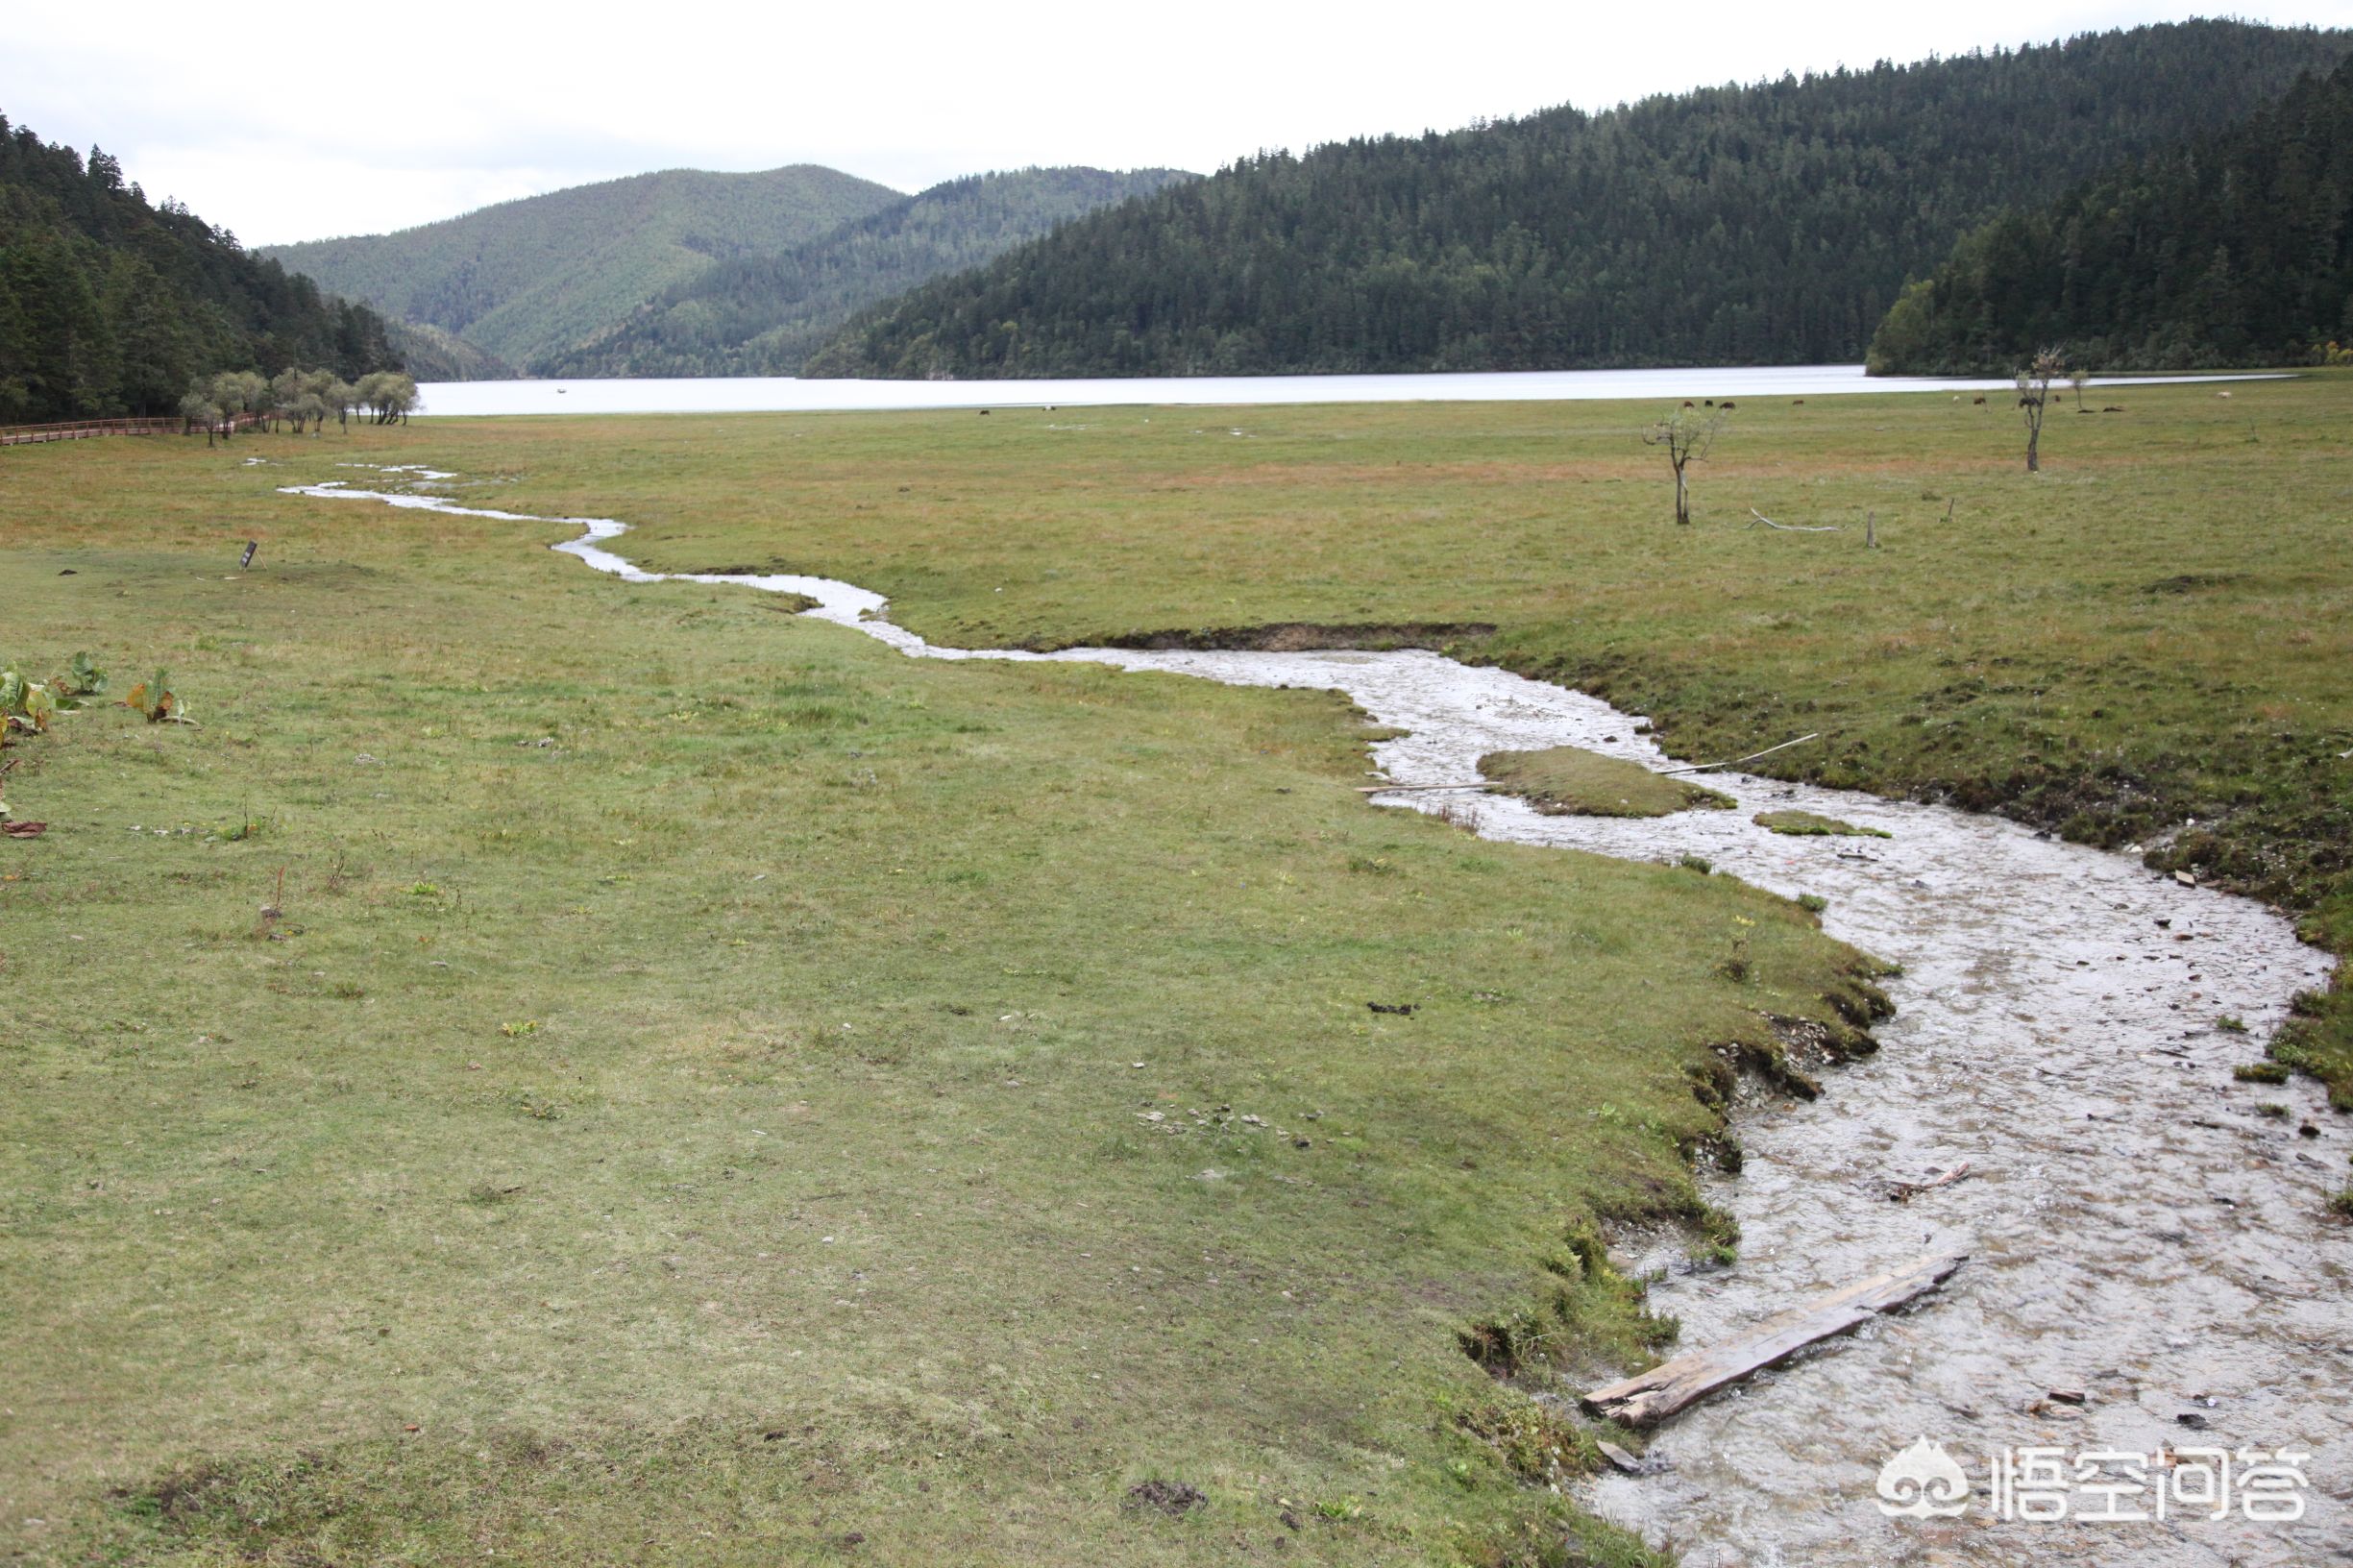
[(83, 430)]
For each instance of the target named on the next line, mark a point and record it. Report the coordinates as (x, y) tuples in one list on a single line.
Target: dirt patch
[(2189, 582), (1174, 1498), (182, 1494)]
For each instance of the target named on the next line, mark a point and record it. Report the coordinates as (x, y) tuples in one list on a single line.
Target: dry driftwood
[(1656, 1394), (1901, 1190), (1734, 762), (1793, 527)]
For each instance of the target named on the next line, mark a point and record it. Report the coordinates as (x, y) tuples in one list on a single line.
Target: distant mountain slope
[(433, 354), (2234, 250), (530, 277), (110, 305), (764, 315), (1738, 225)]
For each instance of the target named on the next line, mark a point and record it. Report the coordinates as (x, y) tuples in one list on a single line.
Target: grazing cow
[(1797, 402), (1728, 406), (1980, 399), (2113, 408), (1686, 403)]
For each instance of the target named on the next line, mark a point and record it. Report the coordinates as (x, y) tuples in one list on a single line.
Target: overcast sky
[(287, 123)]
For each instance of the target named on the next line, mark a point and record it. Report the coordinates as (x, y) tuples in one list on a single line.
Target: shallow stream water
[(2141, 1234)]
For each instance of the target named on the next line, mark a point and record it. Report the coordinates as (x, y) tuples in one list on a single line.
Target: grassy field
[(2146, 644), (716, 1090), (717, 1135)]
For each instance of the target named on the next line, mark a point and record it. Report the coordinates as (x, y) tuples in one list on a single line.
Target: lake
[(778, 394)]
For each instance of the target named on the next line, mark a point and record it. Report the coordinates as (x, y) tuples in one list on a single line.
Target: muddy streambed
[(2140, 1232)]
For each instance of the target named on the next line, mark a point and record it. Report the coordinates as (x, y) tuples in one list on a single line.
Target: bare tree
[(1685, 436), (2079, 379), (2034, 399)]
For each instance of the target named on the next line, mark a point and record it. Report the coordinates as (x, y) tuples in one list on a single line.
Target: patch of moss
[(1570, 781)]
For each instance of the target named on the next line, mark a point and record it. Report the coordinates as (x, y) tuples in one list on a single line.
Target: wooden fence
[(83, 430)]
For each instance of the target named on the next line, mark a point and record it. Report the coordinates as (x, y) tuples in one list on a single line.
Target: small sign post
[(246, 560)]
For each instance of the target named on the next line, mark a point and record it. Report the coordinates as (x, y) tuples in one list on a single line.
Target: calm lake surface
[(746, 395)]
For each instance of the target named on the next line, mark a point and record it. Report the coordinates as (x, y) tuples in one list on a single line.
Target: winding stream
[(2142, 1234)]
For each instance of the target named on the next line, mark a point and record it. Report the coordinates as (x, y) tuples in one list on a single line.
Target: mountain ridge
[(1768, 223), (522, 279), (762, 315)]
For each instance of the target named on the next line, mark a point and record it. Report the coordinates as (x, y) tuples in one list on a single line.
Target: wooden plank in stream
[(1653, 1396)]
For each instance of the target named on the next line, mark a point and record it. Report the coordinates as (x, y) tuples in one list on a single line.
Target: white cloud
[(338, 120)]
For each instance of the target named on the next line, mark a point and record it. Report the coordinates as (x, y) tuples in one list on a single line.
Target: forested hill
[(2236, 250), (434, 354), (764, 315), (112, 305), (529, 278), (1738, 225)]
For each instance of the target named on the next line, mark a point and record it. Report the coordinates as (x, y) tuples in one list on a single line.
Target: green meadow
[(2144, 645), (572, 1072)]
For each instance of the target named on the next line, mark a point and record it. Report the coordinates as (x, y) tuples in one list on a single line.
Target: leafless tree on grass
[(2049, 365), (1685, 436)]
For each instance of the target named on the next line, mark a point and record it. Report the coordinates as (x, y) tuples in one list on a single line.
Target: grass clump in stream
[(1571, 781), (1808, 825)]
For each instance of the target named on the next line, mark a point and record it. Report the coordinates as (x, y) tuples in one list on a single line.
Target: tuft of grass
[(1800, 825), (2261, 1072), (1571, 781)]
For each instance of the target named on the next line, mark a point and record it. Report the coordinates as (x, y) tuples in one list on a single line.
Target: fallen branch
[(1707, 766), (1794, 527), (1656, 1394), (1904, 1192)]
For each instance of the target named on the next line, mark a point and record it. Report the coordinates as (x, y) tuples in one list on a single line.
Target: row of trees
[(110, 304), (298, 398), (1772, 223)]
